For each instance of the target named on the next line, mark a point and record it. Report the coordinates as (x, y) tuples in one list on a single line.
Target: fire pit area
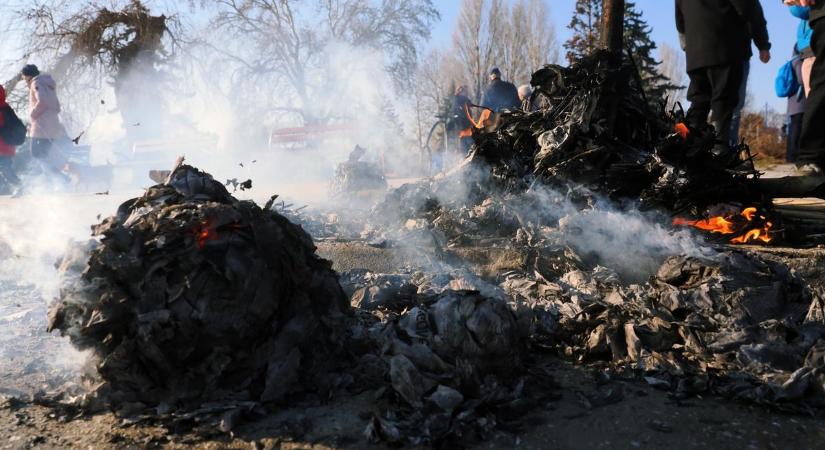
[(563, 240)]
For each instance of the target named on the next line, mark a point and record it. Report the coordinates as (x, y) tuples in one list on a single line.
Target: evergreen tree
[(586, 26), (641, 47)]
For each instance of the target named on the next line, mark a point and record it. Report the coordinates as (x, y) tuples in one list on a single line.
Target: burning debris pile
[(646, 154), (193, 296)]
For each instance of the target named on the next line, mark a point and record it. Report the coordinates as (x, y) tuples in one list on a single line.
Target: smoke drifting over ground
[(34, 232)]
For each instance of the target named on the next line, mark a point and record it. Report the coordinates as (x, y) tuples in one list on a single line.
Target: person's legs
[(794, 132), (40, 148), (726, 82), (699, 95), (807, 66), (737, 113), (812, 140), (7, 171)]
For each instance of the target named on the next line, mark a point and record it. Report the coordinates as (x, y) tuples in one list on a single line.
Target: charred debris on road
[(194, 301)]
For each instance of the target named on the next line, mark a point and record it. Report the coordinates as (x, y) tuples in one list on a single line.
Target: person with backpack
[(812, 140), (803, 43), (45, 121), (12, 134), (789, 85)]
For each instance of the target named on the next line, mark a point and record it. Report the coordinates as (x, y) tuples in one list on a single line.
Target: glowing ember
[(204, 233), (741, 224), (682, 129)]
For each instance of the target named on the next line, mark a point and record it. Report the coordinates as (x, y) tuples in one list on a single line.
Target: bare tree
[(517, 37), (468, 38), (285, 43), (87, 45)]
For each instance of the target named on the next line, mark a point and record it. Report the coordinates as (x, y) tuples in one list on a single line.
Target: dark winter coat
[(719, 32), (501, 95), (5, 149), (817, 11), (459, 120)]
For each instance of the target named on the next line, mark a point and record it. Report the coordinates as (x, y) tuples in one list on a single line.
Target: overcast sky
[(660, 16)]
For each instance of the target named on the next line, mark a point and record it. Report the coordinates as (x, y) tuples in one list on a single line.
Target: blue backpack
[(786, 83)]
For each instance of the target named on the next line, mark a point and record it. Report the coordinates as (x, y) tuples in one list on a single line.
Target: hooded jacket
[(5, 149), (719, 32), (45, 108)]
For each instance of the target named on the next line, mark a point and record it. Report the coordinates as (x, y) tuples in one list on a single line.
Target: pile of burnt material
[(730, 324), (644, 153), (356, 175), (192, 296), (455, 362)]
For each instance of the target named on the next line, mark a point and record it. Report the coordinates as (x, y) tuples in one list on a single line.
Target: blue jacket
[(804, 31)]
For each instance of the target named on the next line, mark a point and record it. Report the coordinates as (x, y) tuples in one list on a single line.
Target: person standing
[(500, 94), (796, 111), (716, 36), (803, 43), (459, 123), (736, 120), (45, 121), (812, 140)]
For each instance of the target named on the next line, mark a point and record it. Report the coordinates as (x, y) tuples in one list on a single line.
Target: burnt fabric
[(715, 89), (812, 141), (719, 32), (501, 95), (193, 296)]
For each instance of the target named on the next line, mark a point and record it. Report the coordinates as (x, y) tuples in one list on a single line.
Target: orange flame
[(714, 224), (729, 225), (682, 129)]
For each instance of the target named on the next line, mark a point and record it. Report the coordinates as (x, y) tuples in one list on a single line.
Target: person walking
[(500, 94), (812, 140), (45, 121), (716, 36)]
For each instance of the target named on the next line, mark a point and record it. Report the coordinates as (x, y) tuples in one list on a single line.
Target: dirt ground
[(642, 417)]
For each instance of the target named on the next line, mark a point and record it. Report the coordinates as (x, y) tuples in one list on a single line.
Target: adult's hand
[(800, 2), (765, 56)]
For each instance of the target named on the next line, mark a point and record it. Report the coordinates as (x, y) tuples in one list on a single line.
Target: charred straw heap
[(192, 295)]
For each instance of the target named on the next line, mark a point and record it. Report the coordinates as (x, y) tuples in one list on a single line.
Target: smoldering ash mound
[(191, 295)]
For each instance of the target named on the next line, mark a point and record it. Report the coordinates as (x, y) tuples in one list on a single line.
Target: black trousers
[(715, 89), (794, 135), (812, 141)]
